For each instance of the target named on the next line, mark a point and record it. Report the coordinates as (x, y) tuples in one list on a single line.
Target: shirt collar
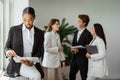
[(81, 30), (54, 32), (24, 28)]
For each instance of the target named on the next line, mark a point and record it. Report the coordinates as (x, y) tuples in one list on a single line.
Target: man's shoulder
[(87, 31)]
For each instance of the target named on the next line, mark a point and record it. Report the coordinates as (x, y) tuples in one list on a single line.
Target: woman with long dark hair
[(97, 64), (53, 52)]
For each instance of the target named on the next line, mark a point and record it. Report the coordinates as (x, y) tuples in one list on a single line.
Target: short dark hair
[(29, 10), (85, 18)]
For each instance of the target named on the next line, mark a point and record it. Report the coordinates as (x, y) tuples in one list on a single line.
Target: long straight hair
[(100, 32), (52, 22)]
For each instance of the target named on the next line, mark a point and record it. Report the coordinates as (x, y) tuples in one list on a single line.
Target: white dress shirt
[(79, 33), (28, 40)]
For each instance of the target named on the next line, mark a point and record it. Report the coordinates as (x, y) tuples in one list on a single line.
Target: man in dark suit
[(26, 40), (81, 37)]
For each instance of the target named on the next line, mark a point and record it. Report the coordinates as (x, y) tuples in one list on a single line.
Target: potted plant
[(65, 31)]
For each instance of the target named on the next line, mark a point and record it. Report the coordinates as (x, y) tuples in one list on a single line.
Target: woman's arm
[(101, 51), (8, 47)]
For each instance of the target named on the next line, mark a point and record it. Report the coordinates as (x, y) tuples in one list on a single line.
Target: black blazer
[(84, 40), (15, 42)]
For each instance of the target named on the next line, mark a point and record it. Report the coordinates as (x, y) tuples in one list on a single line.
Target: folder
[(79, 46), (18, 59), (92, 49)]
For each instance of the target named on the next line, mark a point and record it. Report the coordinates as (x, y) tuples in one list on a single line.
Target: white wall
[(106, 12), (1, 32), (16, 9)]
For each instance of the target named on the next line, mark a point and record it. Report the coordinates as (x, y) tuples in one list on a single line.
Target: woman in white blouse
[(53, 54), (97, 67)]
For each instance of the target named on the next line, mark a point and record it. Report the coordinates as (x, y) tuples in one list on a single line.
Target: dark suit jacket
[(84, 40), (15, 42)]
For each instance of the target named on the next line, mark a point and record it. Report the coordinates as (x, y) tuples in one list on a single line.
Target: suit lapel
[(75, 38), (35, 40), (54, 37), (20, 39), (81, 36)]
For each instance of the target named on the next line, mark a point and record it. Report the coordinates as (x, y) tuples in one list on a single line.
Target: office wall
[(16, 9), (1, 31), (105, 12)]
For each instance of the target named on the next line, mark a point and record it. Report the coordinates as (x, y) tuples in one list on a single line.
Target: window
[(10, 11), (1, 34)]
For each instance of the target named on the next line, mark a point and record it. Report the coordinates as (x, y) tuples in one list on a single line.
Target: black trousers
[(75, 67)]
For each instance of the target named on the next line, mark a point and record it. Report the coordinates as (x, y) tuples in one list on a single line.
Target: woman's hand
[(11, 53), (75, 50), (26, 62), (63, 65), (60, 49), (88, 55)]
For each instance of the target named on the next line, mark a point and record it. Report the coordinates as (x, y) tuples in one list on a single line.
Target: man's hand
[(26, 62), (75, 50)]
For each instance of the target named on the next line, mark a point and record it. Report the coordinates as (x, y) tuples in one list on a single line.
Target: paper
[(80, 46), (18, 59)]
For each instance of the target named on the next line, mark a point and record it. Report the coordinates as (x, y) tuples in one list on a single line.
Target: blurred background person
[(53, 54)]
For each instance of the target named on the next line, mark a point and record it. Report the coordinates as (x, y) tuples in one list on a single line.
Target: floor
[(2, 77)]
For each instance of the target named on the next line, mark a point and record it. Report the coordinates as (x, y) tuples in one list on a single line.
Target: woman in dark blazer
[(26, 40)]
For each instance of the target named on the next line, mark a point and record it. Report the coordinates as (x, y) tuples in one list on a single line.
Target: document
[(92, 49), (18, 59), (79, 46)]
